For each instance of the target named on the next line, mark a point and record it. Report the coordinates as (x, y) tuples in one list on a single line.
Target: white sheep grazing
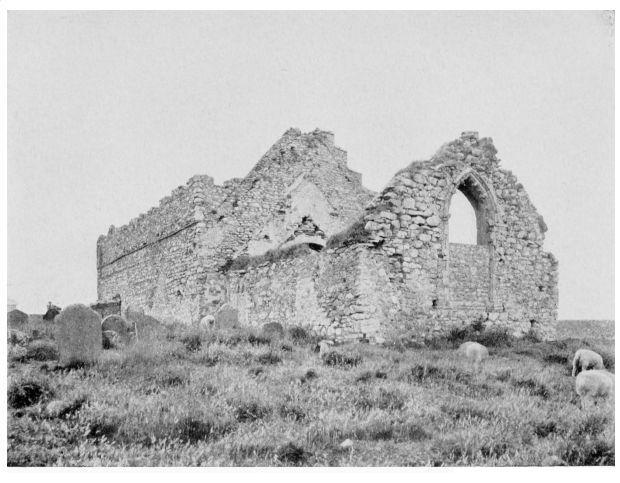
[(593, 384), (586, 359), (473, 352)]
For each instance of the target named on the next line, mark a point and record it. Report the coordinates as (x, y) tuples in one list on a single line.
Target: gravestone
[(226, 317), (17, 319), (122, 329), (78, 334), (144, 326), (273, 329)]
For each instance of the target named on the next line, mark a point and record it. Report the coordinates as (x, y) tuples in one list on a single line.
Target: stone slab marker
[(118, 324), (226, 317), (16, 319), (78, 334), (117, 330), (142, 324)]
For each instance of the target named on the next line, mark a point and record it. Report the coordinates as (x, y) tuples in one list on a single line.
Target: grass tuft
[(269, 358), (335, 358), (292, 454), (251, 411), (27, 391), (192, 342)]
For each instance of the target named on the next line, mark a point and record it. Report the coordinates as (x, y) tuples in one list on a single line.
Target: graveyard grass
[(188, 396)]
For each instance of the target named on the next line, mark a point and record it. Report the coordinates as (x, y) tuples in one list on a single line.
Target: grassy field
[(184, 396), (590, 329)]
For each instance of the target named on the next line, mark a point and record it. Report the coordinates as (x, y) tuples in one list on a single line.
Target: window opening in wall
[(471, 210), (462, 224)]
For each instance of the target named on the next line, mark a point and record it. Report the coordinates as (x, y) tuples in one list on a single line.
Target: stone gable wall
[(263, 201), (168, 260), (408, 224)]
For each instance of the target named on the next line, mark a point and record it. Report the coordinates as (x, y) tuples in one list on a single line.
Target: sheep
[(473, 352), (593, 384), (586, 359)]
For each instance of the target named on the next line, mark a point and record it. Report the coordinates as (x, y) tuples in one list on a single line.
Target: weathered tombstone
[(118, 324), (111, 340), (144, 325), (16, 319), (78, 334), (226, 317), (122, 329), (207, 321), (273, 329)]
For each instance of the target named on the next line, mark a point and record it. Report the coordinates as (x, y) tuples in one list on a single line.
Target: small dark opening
[(533, 323), (541, 288), (434, 302), (179, 294), (315, 246)]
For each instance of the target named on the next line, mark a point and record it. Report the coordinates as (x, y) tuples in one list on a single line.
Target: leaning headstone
[(145, 326), (273, 329), (226, 317), (121, 327), (16, 319), (78, 334)]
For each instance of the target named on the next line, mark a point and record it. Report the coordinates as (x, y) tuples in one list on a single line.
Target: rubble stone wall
[(408, 223), (469, 275), (157, 279), (387, 260), (317, 290), (181, 245)]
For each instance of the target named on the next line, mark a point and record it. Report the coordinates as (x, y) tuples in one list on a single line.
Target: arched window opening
[(462, 227), (470, 212)]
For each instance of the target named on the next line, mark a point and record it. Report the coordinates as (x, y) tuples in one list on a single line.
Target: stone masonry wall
[(331, 292), (152, 262), (469, 277), (261, 211), (168, 261), (408, 224), (392, 265)]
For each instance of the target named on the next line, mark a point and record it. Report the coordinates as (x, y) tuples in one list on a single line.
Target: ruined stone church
[(300, 241)]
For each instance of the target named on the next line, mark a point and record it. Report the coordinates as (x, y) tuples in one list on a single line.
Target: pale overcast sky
[(110, 111)]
